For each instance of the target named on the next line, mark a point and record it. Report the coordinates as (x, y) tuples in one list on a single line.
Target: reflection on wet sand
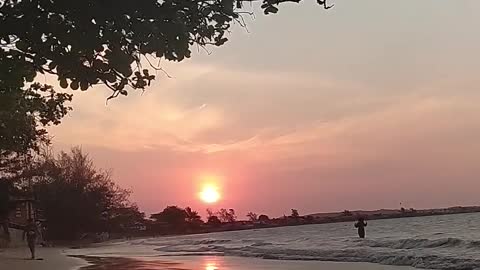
[(118, 263), (211, 264), (104, 263)]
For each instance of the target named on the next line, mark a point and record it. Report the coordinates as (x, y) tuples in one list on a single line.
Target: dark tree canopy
[(173, 215), (89, 42), (214, 221), (263, 218), (177, 220), (227, 216), (252, 216), (78, 198), (192, 216), (23, 118), (125, 219), (24, 115), (29, 111)]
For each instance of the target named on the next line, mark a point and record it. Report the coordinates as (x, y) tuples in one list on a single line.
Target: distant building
[(23, 210)]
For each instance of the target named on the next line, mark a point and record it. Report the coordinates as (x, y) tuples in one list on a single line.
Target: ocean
[(436, 242)]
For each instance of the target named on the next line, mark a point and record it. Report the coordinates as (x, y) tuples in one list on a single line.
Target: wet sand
[(221, 263), (104, 263), (58, 259)]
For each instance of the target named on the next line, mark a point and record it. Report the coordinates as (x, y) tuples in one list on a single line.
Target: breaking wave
[(394, 253), (412, 243)]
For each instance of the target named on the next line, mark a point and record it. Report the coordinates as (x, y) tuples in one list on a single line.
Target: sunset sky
[(365, 106)]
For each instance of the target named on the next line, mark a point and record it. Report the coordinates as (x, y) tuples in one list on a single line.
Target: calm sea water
[(439, 242)]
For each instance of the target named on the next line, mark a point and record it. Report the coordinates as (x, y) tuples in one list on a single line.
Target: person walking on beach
[(31, 232), (360, 225)]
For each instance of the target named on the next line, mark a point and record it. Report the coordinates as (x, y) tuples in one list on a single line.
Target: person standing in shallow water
[(360, 225), (31, 232)]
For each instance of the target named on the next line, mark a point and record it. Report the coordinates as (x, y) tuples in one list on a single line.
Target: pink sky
[(361, 107)]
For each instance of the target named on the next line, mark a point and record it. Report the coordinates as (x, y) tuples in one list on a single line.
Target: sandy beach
[(57, 259), (53, 259)]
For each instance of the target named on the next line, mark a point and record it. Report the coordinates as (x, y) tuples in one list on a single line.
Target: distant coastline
[(395, 213), (336, 217)]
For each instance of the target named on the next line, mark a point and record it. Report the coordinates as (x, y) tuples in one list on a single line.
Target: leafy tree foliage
[(172, 215), (191, 215), (178, 219), (193, 218), (25, 112), (125, 219), (24, 115), (227, 216), (213, 218), (210, 212), (88, 42), (214, 221), (25, 108), (295, 213), (263, 218), (252, 216), (78, 198)]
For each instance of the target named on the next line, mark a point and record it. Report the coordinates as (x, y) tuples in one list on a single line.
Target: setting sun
[(209, 194)]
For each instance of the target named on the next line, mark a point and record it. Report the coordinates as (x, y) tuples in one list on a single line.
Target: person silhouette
[(31, 233), (361, 224)]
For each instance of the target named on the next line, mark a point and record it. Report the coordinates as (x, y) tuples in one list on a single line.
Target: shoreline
[(58, 259)]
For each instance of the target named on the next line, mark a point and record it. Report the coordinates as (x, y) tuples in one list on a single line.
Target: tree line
[(174, 219), (72, 196), (75, 199)]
